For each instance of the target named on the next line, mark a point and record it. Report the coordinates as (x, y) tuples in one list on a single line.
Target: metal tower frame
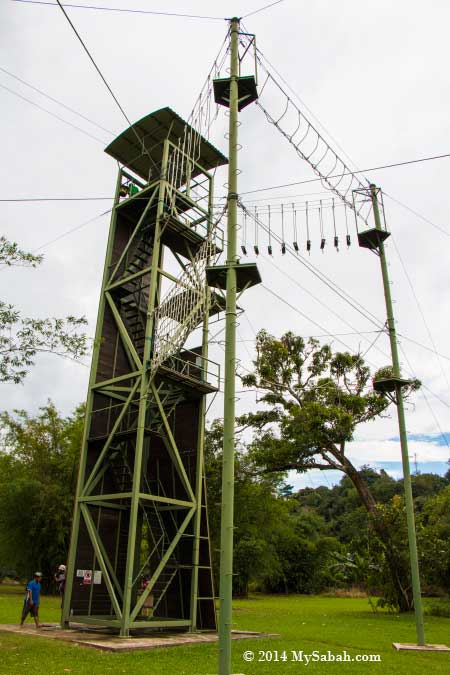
[(139, 554)]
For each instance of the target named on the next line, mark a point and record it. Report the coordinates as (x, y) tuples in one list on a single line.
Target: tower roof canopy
[(153, 130)]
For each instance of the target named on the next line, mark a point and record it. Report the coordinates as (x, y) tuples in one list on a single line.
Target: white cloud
[(382, 450), (361, 73)]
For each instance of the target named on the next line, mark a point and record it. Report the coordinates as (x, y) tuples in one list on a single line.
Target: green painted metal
[(161, 565), (82, 466), (227, 512), (109, 441), (104, 563), (149, 394), (136, 230), (136, 361), (172, 447), (131, 552), (415, 575), (200, 462)]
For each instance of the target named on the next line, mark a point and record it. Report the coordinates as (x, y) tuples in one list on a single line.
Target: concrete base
[(89, 636), (420, 648)]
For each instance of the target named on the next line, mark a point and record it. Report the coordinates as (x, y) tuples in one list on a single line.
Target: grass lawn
[(304, 623)]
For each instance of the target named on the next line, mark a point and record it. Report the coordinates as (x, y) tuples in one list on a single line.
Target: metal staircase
[(147, 393)]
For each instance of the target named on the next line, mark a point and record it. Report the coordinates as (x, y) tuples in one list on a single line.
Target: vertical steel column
[(201, 441), (226, 533), (70, 572), (402, 429), (144, 388)]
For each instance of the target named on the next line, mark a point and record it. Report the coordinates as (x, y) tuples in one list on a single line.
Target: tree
[(261, 518), (316, 399), (38, 464), (278, 545), (22, 338), (434, 540)]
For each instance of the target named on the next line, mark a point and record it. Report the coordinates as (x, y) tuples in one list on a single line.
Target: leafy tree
[(22, 338), (434, 540), (260, 516), (279, 546), (38, 464), (305, 554), (315, 400)]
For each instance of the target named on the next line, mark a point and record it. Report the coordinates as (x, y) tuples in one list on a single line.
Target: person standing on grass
[(32, 599), (60, 578)]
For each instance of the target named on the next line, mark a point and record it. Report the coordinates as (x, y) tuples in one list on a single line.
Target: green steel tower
[(139, 554), (235, 93), (373, 239)]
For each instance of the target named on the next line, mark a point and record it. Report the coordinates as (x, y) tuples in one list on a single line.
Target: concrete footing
[(420, 648), (107, 641)]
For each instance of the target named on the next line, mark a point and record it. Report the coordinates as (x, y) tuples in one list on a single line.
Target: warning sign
[(87, 579)]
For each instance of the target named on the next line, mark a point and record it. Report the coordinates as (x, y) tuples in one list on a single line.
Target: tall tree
[(315, 399), (22, 338), (38, 465)]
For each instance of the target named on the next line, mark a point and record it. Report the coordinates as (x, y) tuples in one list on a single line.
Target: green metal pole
[(138, 455), (201, 441), (70, 572), (415, 577), (226, 533)]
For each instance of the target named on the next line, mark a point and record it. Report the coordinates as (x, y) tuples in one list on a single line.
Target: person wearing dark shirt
[(60, 578), (32, 599)]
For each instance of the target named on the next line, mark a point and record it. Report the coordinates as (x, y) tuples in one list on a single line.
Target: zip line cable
[(312, 180), (336, 289), (371, 363), (71, 231), (302, 102), (377, 322), (66, 233), (55, 100), (326, 280), (93, 62), (419, 215), (327, 307), (91, 58), (350, 173), (61, 119), (381, 330), (422, 315), (425, 398), (261, 9), (302, 314), (324, 335), (58, 199), (314, 165), (295, 309), (123, 10), (355, 332)]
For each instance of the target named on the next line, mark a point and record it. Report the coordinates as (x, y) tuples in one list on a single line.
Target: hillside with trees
[(315, 540)]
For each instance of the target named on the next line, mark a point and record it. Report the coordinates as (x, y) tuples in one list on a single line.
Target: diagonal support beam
[(95, 540), (135, 231), (109, 439), (172, 447), (123, 332), (103, 551), (162, 564)]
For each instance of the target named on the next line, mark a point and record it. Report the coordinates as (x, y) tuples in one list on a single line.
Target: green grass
[(304, 623)]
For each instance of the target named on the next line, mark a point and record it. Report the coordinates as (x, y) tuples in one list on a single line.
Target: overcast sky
[(374, 74)]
